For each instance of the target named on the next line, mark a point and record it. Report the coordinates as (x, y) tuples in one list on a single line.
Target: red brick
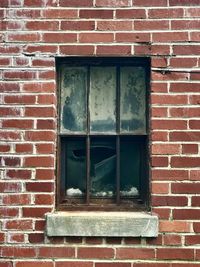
[(113, 240), (4, 61), (169, 201), (45, 148), (14, 49), (170, 175), (164, 149), (184, 112), (6, 212), (112, 3), (169, 124), (44, 87), (114, 25), (59, 37), (194, 36), (163, 213), (18, 252), (39, 111), (10, 187), (8, 136), (39, 187), (35, 212), (77, 25), (17, 200), (24, 148), (11, 161), (192, 240), (159, 161), (9, 87), (185, 162), (98, 253), (16, 238), (130, 13), (27, 13), (93, 240), (183, 62), (189, 264), (194, 76), (152, 50), (154, 264), (185, 24), (42, 25), (166, 13), (196, 227), (73, 264), (40, 225), (77, 50), (169, 76), (112, 264), (40, 49), (194, 124), (19, 75), (159, 136), (113, 50), (45, 124), (19, 224), (44, 174), (34, 264), (186, 214), (168, 37), (196, 200), (35, 3), (23, 37), (189, 148), (19, 174), (184, 136), (43, 62), (159, 112), (159, 87), (172, 240), (96, 37), (186, 50), (4, 148), (46, 99), (43, 199), (184, 87), (76, 3), (20, 124), (56, 252), (46, 74), (94, 13), (23, 99), (21, 61), (135, 253), (194, 175), (11, 111), (59, 13), (40, 136), (36, 238), (39, 161), (175, 254), (159, 62), (132, 37), (160, 188), (183, 2), (155, 240), (151, 25)]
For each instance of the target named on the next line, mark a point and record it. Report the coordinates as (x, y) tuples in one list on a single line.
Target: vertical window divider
[(118, 136), (88, 139)]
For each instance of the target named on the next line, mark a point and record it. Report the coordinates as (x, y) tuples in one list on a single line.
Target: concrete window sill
[(115, 224)]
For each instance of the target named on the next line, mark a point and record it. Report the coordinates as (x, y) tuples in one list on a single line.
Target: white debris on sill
[(71, 192), (103, 194), (130, 193)]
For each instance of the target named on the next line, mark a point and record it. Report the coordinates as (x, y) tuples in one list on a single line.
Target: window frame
[(141, 203)]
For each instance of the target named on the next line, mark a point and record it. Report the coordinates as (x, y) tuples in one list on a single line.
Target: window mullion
[(118, 137), (88, 139)]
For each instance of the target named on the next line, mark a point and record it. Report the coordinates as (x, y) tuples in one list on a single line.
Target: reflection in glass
[(75, 165), (130, 157), (73, 99), (102, 168), (132, 100), (102, 100)]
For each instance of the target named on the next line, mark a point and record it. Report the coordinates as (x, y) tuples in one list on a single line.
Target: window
[(103, 133)]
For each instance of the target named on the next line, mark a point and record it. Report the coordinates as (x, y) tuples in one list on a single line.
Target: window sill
[(115, 224)]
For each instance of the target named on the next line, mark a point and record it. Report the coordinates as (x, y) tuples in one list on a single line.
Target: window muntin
[(103, 132)]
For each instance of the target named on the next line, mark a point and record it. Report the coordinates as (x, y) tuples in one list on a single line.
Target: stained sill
[(104, 224)]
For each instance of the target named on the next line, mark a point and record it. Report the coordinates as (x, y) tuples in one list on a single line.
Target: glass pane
[(73, 99), (102, 99), (129, 168), (75, 168), (132, 100), (102, 167)]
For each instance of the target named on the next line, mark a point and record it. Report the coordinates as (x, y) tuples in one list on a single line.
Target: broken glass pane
[(102, 168), (132, 100), (75, 168), (129, 168), (73, 99), (102, 100)]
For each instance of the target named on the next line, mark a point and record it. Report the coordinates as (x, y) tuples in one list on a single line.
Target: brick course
[(32, 34)]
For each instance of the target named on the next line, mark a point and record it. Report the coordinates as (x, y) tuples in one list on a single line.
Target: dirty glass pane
[(103, 167), (102, 100), (130, 152), (73, 99), (132, 100), (75, 166)]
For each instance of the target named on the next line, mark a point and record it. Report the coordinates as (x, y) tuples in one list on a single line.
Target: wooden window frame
[(141, 203)]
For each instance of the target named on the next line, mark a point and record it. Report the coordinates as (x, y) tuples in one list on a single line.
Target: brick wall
[(32, 33)]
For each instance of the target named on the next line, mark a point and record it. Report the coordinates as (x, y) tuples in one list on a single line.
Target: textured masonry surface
[(32, 34)]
